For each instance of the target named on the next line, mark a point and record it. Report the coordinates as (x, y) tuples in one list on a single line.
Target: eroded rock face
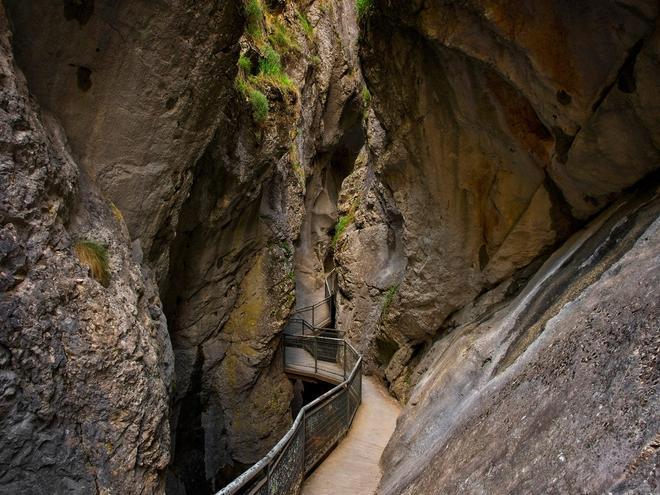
[(492, 131), (505, 126), (229, 293), (213, 200), (331, 134), (555, 391), (262, 206), (139, 88), (84, 369)]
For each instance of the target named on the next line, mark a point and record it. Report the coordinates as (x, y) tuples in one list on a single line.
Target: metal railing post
[(316, 355), (348, 407), (344, 359), (304, 442), (313, 321)]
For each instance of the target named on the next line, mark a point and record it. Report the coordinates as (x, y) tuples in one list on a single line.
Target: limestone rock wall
[(499, 129), (139, 87), (85, 367), (240, 245), (554, 391), (214, 200), (431, 154)]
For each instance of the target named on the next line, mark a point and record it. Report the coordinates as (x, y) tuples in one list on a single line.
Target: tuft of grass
[(241, 85), (305, 25), (259, 104), (271, 63), (245, 64), (343, 222), (271, 73), (364, 8), (389, 297), (254, 15), (116, 212), (95, 257), (258, 101), (282, 81), (282, 37), (366, 97)]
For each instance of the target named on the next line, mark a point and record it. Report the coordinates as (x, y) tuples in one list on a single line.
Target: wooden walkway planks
[(353, 467), (301, 362)]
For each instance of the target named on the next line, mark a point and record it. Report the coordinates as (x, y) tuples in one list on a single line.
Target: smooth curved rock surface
[(506, 127), (555, 391)]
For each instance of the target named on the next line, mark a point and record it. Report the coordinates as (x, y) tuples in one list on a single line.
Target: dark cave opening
[(187, 463), (305, 392)]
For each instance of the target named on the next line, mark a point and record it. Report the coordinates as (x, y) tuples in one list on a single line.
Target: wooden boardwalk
[(300, 362), (353, 467)]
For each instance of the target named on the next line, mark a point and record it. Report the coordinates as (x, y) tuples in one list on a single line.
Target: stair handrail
[(260, 476)]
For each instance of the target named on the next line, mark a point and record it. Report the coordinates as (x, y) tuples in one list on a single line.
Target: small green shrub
[(283, 81), (366, 96), (364, 8), (389, 297), (343, 222), (259, 104), (254, 14), (245, 64), (95, 257), (258, 101), (282, 37), (305, 25), (271, 62)]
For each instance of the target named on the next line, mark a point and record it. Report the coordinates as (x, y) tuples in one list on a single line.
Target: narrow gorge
[(451, 207)]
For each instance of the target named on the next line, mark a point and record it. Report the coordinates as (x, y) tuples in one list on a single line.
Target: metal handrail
[(342, 401), (315, 305), (312, 330), (325, 302)]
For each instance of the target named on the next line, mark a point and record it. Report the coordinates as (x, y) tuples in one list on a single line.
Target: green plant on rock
[(255, 82), (254, 15), (284, 246), (245, 64), (271, 73), (259, 104), (282, 37), (389, 297), (364, 8), (299, 170), (366, 97), (271, 62), (116, 212), (95, 257), (258, 101), (343, 222), (305, 24)]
